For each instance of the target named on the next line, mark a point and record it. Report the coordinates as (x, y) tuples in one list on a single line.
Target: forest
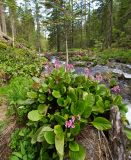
[(65, 80)]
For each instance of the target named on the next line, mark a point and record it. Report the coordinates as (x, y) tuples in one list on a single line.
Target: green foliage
[(120, 55), (17, 89), (57, 99), (78, 155), (20, 62), (101, 123), (128, 133), (21, 145), (3, 46)]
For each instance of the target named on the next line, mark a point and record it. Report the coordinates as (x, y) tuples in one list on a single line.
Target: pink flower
[(73, 118), (69, 124), (57, 64), (116, 89), (69, 67), (48, 67), (99, 78), (87, 72)]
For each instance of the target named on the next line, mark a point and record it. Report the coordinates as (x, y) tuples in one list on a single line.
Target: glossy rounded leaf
[(49, 137), (42, 108), (58, 130), (60, 102), (61, 120), (79, 155), (56, 94), (59, 144), (101, 123), (34, 115), (74, 146), (32, 94)]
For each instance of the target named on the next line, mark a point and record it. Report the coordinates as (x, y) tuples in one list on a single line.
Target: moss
[(3, 46)]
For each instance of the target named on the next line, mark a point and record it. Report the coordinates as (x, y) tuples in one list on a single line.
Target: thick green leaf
[(44, 87), (79, 155), (78, 107), (72, 94), (128, 133), (101, 90), (60, 102), (58, 130), (59, 141), (107, 104), (99, 107), (76, 130), (123, 108), (14, 158), (49, 137), (22, 148), (34, 115), (59, 144), (59, 119), (32, 94), (42, 98), (101, 123), (118, 100), (74, 146), (39, 135), (89, 102), (42, 108), (17, 154), (56, 94)]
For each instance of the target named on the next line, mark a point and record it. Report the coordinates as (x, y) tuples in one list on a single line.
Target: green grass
[(120, 55)]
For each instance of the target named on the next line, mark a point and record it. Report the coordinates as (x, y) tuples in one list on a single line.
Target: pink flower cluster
[(70, 123), (116, 89), (48, 67), (57, 64), (99, 78), (69, 67)]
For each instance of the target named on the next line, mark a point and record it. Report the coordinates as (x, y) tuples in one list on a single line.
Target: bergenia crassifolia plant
[(60, 108)]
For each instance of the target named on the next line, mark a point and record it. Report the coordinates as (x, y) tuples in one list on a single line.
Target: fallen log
[(5, 37)]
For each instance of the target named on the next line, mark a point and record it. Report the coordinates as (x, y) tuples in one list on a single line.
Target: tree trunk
[(72, 28), (81, 24), (86, 26), (67, 54), (58, 38), (38, 43), (110, 23), (12, 28), (3, 21), (89, 15)]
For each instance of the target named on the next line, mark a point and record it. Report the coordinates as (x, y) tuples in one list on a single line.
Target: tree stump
[(101, 147), (116, 135), (95, 143)]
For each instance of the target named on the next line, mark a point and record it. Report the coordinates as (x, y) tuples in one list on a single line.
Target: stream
[(123, 72)]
